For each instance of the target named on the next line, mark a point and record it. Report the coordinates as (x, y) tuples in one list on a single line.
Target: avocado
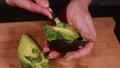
[(30, 53), (63, 38), (67, 33), (60, 31)]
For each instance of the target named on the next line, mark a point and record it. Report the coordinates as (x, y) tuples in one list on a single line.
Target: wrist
[(82, 3), (87, 2)]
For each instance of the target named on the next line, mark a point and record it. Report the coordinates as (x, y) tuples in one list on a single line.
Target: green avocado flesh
[(30, 53), (60, 31)]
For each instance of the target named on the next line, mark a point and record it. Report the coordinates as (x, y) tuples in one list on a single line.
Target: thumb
[(43, 3)]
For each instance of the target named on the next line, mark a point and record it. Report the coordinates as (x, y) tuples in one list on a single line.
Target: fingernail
[(46, 49), (67, 59), (45, 3), (69, 55), (51, 57), (53, 54)]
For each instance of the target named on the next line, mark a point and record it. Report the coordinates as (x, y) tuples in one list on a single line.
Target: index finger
[(81, 52)]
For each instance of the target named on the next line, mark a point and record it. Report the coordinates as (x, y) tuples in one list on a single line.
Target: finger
[(53, 54), (82, 27), (81, 52), (86, 29), (46, 48), (36, 8), (81, 20), (31, 6), (90, 25), (43, 3)]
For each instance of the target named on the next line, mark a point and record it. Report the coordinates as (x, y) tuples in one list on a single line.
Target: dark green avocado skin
[(64, 46)]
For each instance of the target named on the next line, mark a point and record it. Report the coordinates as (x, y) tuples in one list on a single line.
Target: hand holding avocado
[(79, 17), (62, 39), (81, 20)]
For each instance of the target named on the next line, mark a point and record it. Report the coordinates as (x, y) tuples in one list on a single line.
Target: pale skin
[(78, 16)]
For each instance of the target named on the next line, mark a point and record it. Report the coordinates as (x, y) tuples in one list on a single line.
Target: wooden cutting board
[(105, 53)]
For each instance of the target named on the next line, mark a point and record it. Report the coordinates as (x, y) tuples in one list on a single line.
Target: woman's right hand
[(38, 6)]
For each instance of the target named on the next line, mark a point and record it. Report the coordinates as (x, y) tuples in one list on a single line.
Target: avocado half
[(63, 38), (30, 53)]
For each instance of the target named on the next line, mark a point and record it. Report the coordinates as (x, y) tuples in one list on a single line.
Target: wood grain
[(105, 53)]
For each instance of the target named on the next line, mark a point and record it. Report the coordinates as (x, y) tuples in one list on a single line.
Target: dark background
[(105, 8)]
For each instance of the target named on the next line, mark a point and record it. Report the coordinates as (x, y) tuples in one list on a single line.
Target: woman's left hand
[(79, 17)]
